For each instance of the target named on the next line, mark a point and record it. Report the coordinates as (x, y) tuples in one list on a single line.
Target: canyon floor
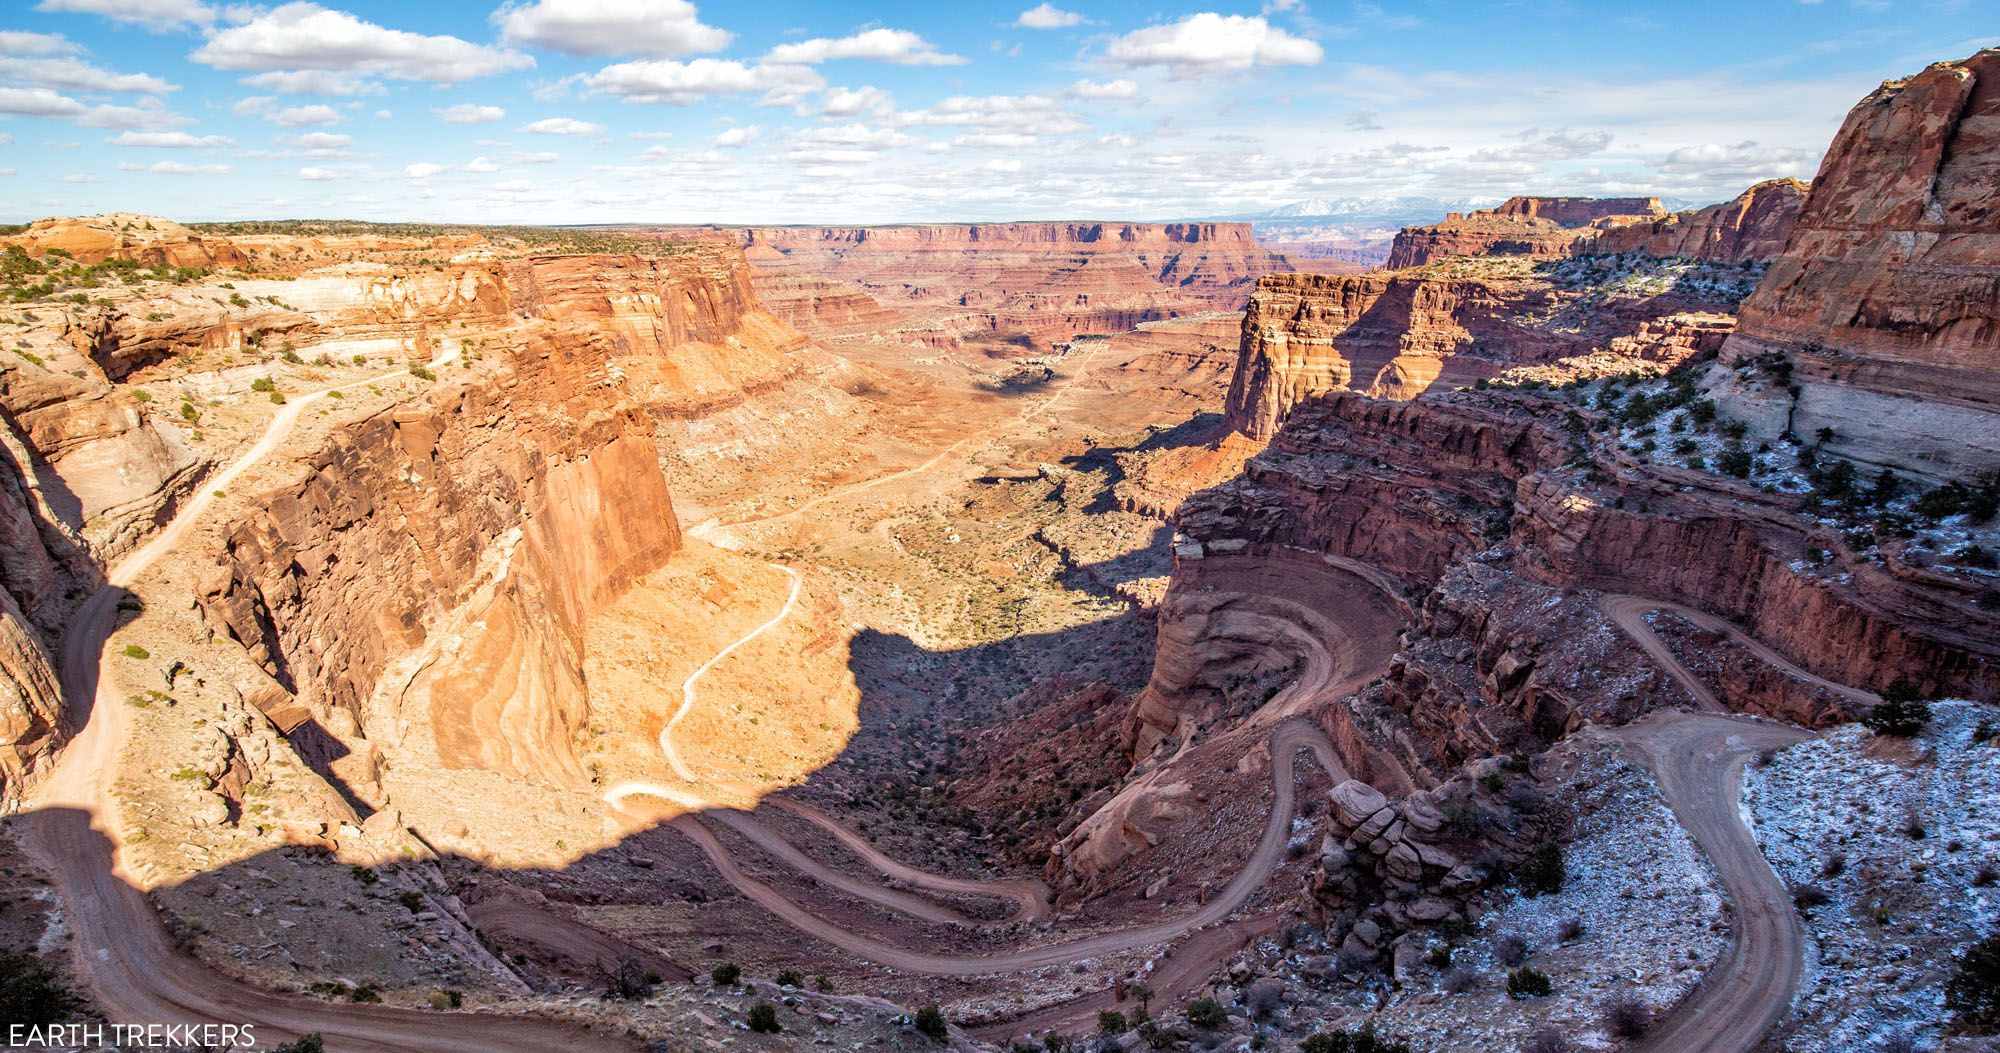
[(1028, 636)]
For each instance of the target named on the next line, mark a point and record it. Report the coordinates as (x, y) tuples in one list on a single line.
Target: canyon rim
[(708, 570)]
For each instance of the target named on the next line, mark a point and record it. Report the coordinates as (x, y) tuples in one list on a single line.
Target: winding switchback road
[(134, 973), (1698, 759)]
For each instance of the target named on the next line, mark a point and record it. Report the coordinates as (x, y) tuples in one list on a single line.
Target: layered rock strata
[(1885, 306), (1539, 227)]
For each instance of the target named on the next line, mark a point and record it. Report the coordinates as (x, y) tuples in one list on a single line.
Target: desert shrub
[(1510, 949), (726, 974), (262, 384), (365, 993), (790, 978), (1542, 873), (1625, 1016), (312, 1043), (1461, 979), (1361, 1040), (1264, 996), (411, 901), (1901, 713), (133, 650), (1439, 957), (764, 1018), (823, 984), (1806, 896), (1111, 1022), (365, 875), (32, 992), (1835, 865), (1547, 1040), (1571, 929), (1529, 982), (1207, 1014), (931, 1023), (1973, 992)]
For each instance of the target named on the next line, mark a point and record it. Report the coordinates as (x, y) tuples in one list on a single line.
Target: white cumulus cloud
[(421, 170), (175, 168), (736, 138), (684, 83), (319, 175), (1105, 89), (171, 140), (1048, 16), (469, 113), (298, 116), (1209, 43), (306, 36), (899, 46), (153, 14), (663, 28), (562, 126)]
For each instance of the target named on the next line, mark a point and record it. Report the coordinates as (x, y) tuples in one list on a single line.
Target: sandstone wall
[(1396, 335), (1887, 297), (1521, 226), (1753, 227), (1420, 488), (490, 520)]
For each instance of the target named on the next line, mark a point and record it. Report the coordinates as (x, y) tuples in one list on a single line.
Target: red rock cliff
[(1752, 227), (495, 516), (1522, 226), (1887, 297)]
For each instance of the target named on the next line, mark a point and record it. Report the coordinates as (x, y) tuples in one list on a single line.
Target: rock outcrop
[(1397, 334), (492, 518), (1753, 227), (1886, 301), (1536, 227)]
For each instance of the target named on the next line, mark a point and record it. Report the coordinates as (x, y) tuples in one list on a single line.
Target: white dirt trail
[(123, 952)]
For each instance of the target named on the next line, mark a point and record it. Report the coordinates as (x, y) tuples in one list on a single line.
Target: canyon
[(524, 638)]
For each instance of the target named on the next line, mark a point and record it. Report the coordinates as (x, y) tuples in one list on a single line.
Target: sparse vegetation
[(1542, 873), (763, 1018), (132, 650), (1361, 1040), (32, 992), (1206, 1014), (1625, 1016), (1902, 713), (1529, 982), (726, 974), (1973, 992), (931, 1024)]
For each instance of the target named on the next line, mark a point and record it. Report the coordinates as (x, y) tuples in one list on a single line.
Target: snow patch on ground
[(1650, 903), (1835, 813)]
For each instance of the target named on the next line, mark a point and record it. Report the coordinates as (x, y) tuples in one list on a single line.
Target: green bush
[(133, 650), (1901, 713), (931, 1024), (1529, 982), (263, 384), (1207, 1014), (1361, 1040), (1111, 1022), (790, 978), (310, 1044), (1543, 872), (1973, 992), (764, 1018), (726, 974)]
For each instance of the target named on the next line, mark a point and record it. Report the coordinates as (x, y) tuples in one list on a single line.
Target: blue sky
[(785, 112)]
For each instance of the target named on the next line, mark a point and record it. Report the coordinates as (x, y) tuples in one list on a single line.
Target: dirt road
[(1629, 613), (122, 950), (1698, 759)]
